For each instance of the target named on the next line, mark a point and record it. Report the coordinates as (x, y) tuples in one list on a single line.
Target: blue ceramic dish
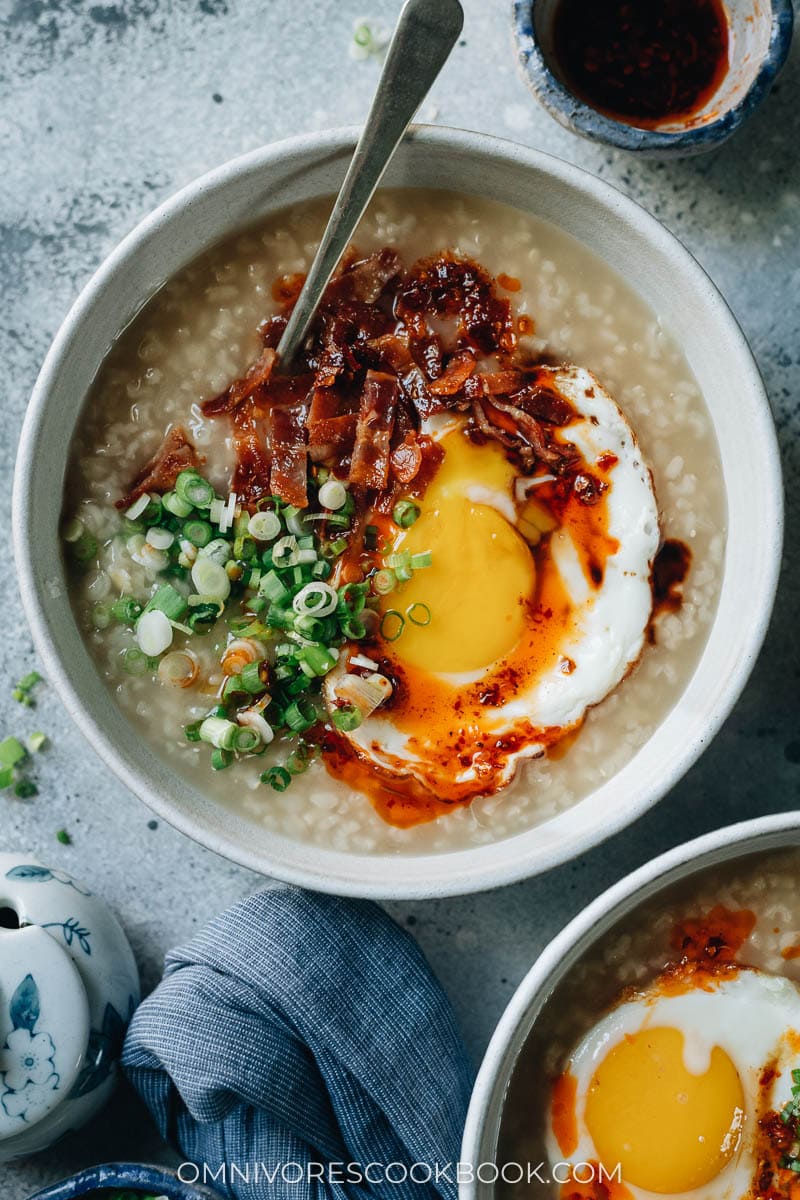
[(760, 36), (153, 1181)]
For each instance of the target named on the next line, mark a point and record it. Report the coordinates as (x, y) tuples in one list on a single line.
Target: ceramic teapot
[(68, 987)]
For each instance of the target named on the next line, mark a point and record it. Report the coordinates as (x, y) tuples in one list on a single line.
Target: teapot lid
[(44, 1024)]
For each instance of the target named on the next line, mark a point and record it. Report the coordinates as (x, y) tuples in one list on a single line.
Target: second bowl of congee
[(435, 586), (658, 1053)]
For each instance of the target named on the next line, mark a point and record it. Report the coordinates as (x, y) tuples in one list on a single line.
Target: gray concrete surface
[(108, 107)]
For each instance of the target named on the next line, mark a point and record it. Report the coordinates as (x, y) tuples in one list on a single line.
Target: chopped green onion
[(384, 581), (337, 547), (195, 490), (168, 601), (371, 537), (152, 514), (295, 519), (316, 599), (218, 550), (285, 552), (418, 614), (203, 618), (354, 628), (192, 731), (12, 752), (353, 597), (173, 504), (63, 837), (264, 526), (198, 532), (211, 579), (220, 759), (424, 559), (296, 763), (85, 548), (272, 588), (160, 538), (154, 632), (405, 513), (346, 718), (333, 494), (219, 732), (233, 685), (134, 662), (318, 660), (36, 742), (25, 789), (247, 739), (300, 715), (392, 625), (126, 609), (401, 565), (6, 777), (244, 548), (278, 778), (252, 677), (139, 506)]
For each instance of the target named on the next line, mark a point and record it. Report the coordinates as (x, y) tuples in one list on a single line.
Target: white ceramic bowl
[(484, 1119), (616, 229)]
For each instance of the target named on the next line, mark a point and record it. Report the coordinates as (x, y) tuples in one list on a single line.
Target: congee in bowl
[(437, 585), (666, 1058)]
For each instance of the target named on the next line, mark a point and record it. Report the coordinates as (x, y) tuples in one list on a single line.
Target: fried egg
[(522, 638), (667, 1090)]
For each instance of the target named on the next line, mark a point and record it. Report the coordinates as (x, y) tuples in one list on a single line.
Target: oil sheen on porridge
[(200, 332), (715, 959)]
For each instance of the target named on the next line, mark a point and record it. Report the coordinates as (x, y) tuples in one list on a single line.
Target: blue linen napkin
[(305, 1029)]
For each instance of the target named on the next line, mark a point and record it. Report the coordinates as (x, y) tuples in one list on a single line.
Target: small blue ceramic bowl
[(760, 33), (150, 1181)]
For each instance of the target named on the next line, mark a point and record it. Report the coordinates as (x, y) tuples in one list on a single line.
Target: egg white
[(752, 1016), (611, 619)]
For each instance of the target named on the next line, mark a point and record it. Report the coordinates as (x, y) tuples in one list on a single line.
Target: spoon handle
[(425, 34)]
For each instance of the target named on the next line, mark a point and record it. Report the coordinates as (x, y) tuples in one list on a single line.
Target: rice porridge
[(207, 328)]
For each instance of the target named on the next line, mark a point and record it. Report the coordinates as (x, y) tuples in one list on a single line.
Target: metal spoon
[(425, 34)]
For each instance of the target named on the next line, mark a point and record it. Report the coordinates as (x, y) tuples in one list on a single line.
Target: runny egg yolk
[(482, 572), (669, 1129)]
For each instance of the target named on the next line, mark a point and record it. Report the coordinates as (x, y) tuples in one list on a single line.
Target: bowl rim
[(461, 871), (582, 118), (570, 943)]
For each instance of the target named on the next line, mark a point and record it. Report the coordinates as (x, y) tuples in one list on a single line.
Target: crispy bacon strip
[(518, 424), (251, 476), (455, 375), (406, 458), (395, 355), (542, 403), (369, 467), (331, 429), (256, 376), (288, 477), (500, 383), (175, 454), (366, 279)]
